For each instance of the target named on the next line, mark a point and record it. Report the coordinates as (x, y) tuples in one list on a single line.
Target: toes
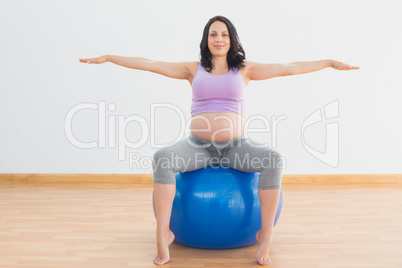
[(265, 261), (158, 261)]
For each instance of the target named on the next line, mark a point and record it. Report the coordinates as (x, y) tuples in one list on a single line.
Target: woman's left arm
[(261, 71), (303, 67)]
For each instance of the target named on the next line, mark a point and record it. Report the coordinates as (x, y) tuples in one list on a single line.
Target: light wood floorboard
[(113, 225)]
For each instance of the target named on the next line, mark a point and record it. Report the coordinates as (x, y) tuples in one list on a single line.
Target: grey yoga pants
[(243, 154)]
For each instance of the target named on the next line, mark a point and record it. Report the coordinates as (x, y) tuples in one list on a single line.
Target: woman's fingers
[(349, 67), (101, 59), (85, 60), (89, 60), (343, 66)]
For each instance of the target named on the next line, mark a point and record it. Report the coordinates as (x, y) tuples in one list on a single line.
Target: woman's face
[(218, 39)]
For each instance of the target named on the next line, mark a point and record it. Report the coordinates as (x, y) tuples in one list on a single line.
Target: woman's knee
[(162, 167), (271, 172), (279, 160), (272, 159), (162, 157)]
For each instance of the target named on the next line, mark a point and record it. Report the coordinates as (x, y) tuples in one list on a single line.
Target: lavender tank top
[(218, 92)]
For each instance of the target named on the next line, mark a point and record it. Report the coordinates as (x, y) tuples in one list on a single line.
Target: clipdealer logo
[(331, 154), (107, 135)]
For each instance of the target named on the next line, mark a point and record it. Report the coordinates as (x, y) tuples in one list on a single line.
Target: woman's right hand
[(98, 60)]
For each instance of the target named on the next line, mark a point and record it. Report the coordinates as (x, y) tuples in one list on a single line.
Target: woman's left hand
[(343, 66)]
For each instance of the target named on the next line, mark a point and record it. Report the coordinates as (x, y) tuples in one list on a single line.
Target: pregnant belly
[(217, 126)]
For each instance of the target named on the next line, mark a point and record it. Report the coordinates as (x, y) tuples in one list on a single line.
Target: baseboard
[(115, 178), (391, 179)]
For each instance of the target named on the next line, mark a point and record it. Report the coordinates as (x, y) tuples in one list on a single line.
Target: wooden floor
[(113, 225)]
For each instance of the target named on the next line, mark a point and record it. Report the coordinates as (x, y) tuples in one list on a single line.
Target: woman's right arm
[(178, 70)]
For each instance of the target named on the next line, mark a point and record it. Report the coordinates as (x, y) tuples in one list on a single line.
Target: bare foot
[(163, 242), (264, 239)]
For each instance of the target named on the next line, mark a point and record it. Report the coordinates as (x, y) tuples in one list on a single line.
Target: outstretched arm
[(178, 70), (261, 71), (303, 67)]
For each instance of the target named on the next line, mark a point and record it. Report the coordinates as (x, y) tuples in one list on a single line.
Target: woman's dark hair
[(236, 54)]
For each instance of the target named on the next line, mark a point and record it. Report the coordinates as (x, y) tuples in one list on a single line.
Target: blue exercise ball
[(217, 207)]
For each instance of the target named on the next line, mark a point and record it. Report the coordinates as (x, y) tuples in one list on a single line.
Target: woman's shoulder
[(245, 69), (247, 64), (193, 67)]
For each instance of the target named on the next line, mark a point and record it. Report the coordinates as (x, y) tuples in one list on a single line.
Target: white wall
[(42, 80)]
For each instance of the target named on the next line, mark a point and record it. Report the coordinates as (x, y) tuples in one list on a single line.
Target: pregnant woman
[(217, 127)]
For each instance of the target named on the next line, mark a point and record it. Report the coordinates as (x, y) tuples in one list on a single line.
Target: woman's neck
[(220, 63)]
